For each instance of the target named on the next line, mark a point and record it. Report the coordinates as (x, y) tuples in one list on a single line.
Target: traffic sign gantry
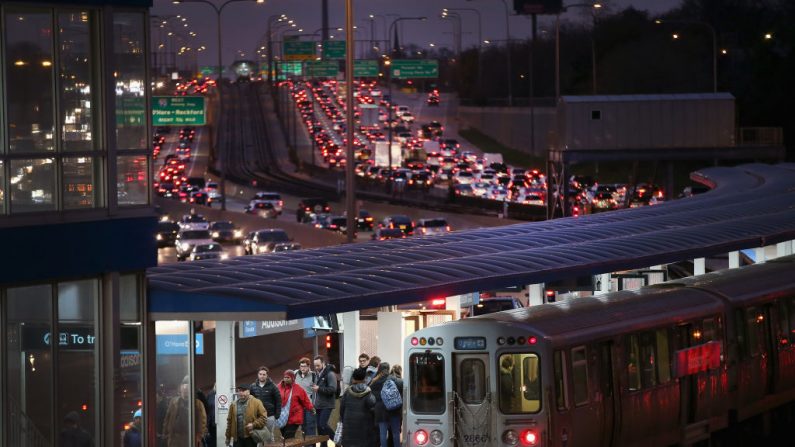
[(415, 68), (322, 69), (295, 50), (178, 111), (365, 68), (333, 49)]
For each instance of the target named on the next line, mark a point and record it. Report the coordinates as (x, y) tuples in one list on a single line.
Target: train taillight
[(510, 437), (421, 437), (528, 438), (437, 437)]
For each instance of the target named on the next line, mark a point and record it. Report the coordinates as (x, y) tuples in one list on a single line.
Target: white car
[(407, 117), (530, 198), (499, 193), (400, 110), (213, 191), (463, 178), (274, 198), (480, 189), (208, 251), (193, 222), (428, 227), (188, 239)]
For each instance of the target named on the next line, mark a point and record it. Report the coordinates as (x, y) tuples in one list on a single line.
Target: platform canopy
[(749, 206)]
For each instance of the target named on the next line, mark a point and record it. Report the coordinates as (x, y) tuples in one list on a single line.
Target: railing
[(503, 102), (760, 136), (22, 431)]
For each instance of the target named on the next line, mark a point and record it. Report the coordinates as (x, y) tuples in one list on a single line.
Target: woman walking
[(388, 413), (356, 413)]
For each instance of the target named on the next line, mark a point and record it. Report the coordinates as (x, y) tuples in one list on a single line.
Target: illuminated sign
[(470, 343), (697, 359)]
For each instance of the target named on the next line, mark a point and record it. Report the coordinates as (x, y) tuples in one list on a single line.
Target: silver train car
[(688, 362)]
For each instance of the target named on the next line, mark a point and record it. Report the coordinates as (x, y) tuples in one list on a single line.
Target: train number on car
[(476, 439)]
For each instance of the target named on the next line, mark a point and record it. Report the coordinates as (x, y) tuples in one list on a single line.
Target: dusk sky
[(244, 24)]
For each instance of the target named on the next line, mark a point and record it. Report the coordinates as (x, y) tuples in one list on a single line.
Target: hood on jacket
[(359, 390)]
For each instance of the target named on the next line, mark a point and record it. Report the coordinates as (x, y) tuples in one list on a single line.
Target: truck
[(382, 154), (430, 146), (368, 115), (491, 157)]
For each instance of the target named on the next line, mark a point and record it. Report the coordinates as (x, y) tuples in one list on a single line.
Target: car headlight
[(184, 246), (216, 234), (238, 233), (159, 237), (224, 256)]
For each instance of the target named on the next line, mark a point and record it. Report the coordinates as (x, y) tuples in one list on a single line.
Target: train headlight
[(437, 437), (510, 437), (528, 438), (421, 437)]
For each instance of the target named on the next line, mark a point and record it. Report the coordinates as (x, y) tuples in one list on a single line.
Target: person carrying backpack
[(388, 392)]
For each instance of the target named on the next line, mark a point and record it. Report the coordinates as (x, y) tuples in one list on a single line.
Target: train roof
[(585, 319)]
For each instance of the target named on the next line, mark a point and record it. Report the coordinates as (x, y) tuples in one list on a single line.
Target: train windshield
[(427, 383), (520, 383)]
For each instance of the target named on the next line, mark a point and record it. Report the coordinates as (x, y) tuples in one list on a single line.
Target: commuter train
[(707, 359)]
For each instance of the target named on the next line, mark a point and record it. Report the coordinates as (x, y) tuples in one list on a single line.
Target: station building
[(76, 218)]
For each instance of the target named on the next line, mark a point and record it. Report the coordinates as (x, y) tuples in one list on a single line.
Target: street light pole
[(592, 6), (350, 193), (480, 42), (222, 159), (389, 83), (714, 45)]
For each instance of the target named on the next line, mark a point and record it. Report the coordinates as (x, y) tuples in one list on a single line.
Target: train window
[(472, 381), (786, 312), (633, 354), (710, 331), (579, 373), (519, 384), (754, 319), (742, 338), (560, 381), (663, 356), (648, 371), (427, 383)]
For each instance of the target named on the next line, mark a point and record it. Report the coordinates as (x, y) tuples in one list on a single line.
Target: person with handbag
[(295, 402), (246, 415)]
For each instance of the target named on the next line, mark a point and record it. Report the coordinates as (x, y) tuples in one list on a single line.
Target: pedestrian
[(305, 377), (397, 371), (372, 368), (356, 413), (266, 391), (175, 426), (72, 434), (132, 436), (388, 419), (364, 360), (211, 423), (325, 396), (245, 415), (299, 404)]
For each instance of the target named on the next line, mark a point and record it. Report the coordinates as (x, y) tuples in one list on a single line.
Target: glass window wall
[(32, 185), (129, 69), (132, 180), (79, 178), (75, 76)]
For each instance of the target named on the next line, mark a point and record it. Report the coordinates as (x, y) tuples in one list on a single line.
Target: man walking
[(325, 396), (305, 378), (266, 391), (246, 414)]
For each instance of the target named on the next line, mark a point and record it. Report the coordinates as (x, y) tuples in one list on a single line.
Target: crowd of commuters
[(369, 408)]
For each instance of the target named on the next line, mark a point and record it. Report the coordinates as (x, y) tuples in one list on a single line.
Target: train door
[(472, 399), (608, 383), (768, 348), (688, 389)]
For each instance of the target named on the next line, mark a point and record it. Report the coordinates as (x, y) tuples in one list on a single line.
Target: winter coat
[(299, 403), (327, 389), (269, 396), (306, 382), (356, 414), (381, 413), (175, 427), (255, 414)]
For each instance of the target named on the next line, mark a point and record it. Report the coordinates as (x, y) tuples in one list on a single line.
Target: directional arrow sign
[(415, 68), (299, 50), (365, 69), (333, 49), (178, 111)]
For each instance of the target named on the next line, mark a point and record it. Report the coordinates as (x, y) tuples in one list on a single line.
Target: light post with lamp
[(593, 7), (480, 41), (508, 50), (218, 10), (279, 18), (714, 44), (389, 82)]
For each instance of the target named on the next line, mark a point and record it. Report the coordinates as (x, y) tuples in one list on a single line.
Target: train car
[(671, 364)]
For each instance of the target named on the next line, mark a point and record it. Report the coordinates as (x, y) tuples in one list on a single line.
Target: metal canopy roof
[(750, 206)]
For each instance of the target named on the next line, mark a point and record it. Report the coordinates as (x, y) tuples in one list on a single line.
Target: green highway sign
[(297, 50), (333, 49), (207, 71), (322, 69), (130, 111), (178, 111), (415, 68), (365, 68), (289, 70)]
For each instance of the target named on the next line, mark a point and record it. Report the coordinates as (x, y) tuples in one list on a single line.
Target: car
[(311, 205), (194, 222), (225, 231), (421, 179), (274, 198), (401, 110), (263, 241), (604, 201), (463, 178), (531, 198), (436, 225), (208, 251), (338, 224), (399, 221), (262, 209), (495, 304), (166, 234), (187, 239), (407, 117), (200, 198), (382, 234), (213, 191), (364, 220), (499, 193), (432, 101), (286, 246)]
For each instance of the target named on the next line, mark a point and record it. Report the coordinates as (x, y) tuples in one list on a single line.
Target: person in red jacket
[(300, 402)]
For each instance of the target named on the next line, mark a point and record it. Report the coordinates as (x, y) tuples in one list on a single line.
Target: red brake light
[(528, 438), (421, 437), (438, 302)]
